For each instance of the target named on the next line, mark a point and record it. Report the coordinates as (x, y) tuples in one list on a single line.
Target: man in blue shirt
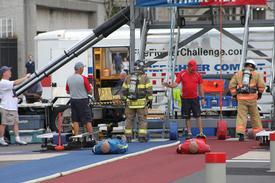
[(111, 146), (117, 62), (30, 65)]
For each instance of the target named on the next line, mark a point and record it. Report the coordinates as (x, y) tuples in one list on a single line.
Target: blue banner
[(186, 3)]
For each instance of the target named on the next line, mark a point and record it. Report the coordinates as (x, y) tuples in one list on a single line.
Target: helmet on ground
[(251, 63)]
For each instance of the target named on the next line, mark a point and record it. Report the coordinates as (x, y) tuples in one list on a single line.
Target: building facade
[(24, 19)]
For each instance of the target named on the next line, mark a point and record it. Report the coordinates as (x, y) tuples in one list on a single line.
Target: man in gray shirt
[(79, 87)]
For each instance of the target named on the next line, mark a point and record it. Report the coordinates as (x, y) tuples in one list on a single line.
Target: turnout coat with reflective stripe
[(144, 89)]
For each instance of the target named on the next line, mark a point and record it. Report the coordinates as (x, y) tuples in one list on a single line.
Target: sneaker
[(122, 137), (3, 143), (20, 142), (90, 138), (91, 143), (241, 137), (201, 135), (189, 135), (185, 133)]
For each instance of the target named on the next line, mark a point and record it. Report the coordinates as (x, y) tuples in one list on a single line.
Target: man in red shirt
[(191, 82)]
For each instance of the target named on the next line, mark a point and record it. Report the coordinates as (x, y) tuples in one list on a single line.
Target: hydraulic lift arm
[(98, 34)]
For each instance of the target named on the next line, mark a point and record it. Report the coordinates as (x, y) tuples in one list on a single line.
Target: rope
[(221, 57)]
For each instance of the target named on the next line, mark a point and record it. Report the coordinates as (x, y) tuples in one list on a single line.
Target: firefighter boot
[(241, 137), (128, 135), (128, 139), (142, 139), (142, 135)]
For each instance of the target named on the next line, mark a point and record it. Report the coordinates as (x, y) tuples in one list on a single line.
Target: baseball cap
[(4, 69), (192, 64), (78, 65)]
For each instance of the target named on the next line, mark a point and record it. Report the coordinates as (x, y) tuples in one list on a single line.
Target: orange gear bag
[(221, 129)]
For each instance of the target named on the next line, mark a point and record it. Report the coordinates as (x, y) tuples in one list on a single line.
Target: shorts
[(81, 111), (9, 117), (190, 105)]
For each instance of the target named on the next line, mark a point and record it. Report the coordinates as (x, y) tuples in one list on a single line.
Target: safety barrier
[(215, 168)]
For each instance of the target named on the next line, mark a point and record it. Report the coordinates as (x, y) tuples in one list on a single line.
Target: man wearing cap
[(8, 104), (78, 87), (191, 82)]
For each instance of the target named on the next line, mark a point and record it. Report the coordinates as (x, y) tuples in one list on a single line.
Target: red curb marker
[(215, 157), (272, 136), (215, 167)]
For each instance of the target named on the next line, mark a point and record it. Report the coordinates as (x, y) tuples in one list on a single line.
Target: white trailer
[(205, 49)]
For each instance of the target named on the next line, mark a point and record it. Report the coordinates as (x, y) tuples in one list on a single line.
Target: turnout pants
[(130, 118), (246, 107)]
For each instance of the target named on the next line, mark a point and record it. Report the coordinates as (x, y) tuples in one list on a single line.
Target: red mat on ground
[(163, 165)]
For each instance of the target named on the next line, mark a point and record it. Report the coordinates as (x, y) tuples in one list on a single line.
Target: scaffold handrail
[(245, 36)]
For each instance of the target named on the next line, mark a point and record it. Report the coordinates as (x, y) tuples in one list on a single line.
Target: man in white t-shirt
[(8, 104)]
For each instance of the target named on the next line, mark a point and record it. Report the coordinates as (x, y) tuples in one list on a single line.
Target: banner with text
[(182, 3)]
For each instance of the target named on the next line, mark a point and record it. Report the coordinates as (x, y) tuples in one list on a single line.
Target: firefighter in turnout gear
[(137, 91), (247, 86)]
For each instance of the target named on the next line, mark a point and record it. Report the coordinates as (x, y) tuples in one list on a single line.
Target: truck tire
[(66, 116)]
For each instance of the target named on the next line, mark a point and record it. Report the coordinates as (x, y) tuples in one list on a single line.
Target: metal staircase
[(251, 50), (251, 37), (251, 40), (169, 42)]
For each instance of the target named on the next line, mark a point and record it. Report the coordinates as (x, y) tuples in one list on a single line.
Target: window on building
[(259, 13)]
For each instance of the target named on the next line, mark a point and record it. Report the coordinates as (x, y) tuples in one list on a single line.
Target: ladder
[(169, 41)]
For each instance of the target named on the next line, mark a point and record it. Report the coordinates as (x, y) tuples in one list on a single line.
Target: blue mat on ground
[(34, 169)]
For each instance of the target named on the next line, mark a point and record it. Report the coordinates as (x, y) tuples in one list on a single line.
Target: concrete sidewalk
[(251, 167)]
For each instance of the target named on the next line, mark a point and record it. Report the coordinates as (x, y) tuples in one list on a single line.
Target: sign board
[(187, 3), (210, 86)]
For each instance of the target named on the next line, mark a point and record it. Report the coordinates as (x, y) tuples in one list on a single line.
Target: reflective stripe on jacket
[(144, 86)]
